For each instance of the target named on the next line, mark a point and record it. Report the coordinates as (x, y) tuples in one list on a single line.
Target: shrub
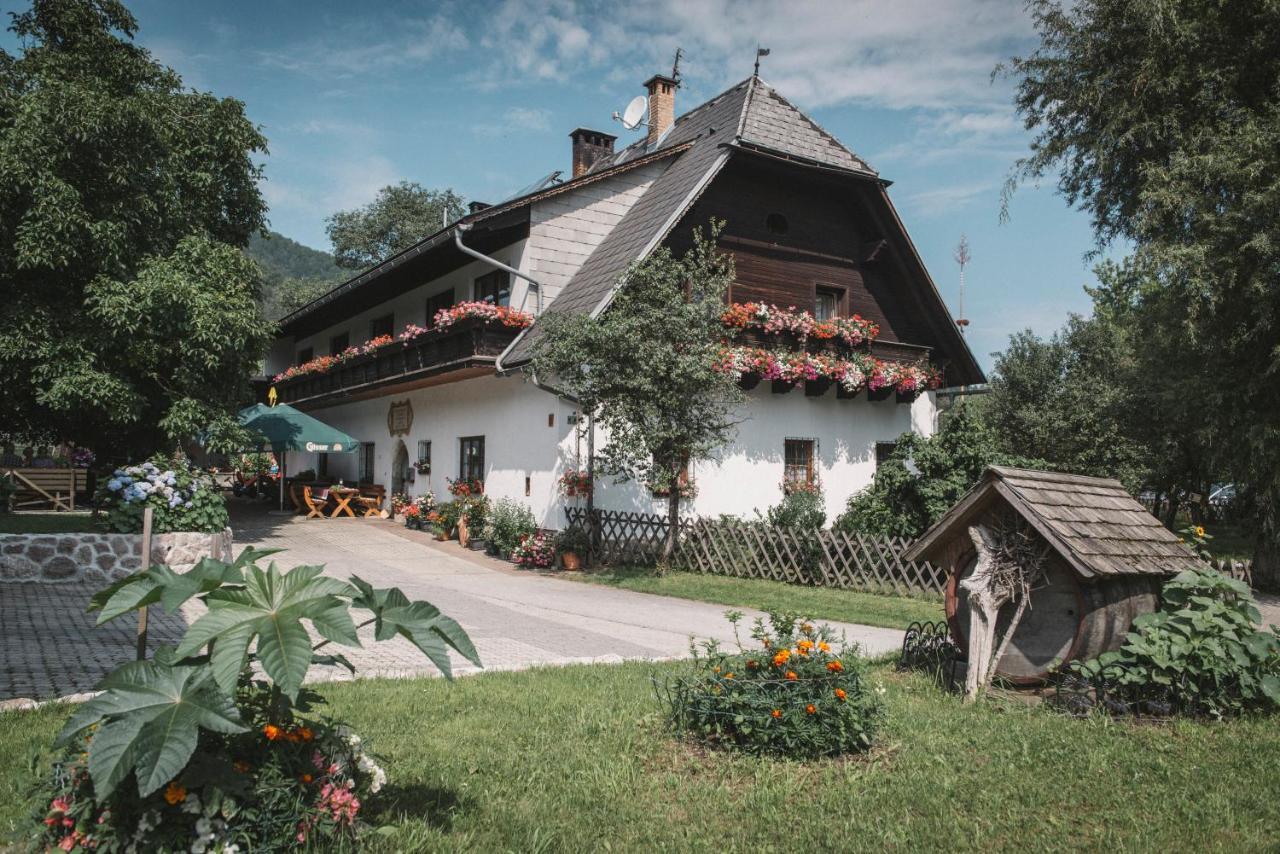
[(574, 539), (476, 509), (535, 551), (799, 510), (1203, 649), (182, 498), (448, 514), (509, 522), (194, 751), (800, 694)]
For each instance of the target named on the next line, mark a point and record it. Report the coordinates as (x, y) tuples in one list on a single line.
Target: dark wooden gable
[(793, 230)]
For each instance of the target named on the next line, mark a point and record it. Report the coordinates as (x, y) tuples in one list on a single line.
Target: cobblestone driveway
[(50, 648)]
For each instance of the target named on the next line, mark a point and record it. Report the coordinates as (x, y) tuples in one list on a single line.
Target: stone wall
[(97, 559)]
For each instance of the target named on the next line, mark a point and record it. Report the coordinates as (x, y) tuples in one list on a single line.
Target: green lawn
[(823, 603), (46, 523), (575, 759)]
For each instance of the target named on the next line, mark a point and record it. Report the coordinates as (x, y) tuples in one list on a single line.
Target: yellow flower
[(175, 794), (1200, 531)]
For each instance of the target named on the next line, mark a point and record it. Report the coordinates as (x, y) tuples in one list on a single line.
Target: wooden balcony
[(895, 351), (467, 348)]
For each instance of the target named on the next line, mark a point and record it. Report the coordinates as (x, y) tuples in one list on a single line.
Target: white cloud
[(516, 121), (945, 200), (370, 46)]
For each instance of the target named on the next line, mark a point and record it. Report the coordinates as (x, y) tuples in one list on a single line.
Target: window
[(884, 450), (424, 456), (338, 343), (382, 325), (437, 302), (827, 303), (798, 465), (305, 355), (366, 462), (471, 458), (494, 288)]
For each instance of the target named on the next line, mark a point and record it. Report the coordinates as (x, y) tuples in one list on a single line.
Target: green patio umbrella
[(283, 428)]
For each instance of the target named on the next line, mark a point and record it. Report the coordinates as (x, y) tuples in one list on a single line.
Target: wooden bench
[(54, 487), (371, 498)]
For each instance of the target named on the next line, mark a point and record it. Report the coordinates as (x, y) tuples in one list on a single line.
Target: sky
[(480, 96)]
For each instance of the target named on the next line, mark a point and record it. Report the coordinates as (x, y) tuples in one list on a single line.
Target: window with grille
[(437, 302), (338, 343), (471, 458), (494, 288), (382, 325), (826, 303), (798, 464)]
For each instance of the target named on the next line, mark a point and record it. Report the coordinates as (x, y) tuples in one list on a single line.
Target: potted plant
[(447, 518), (474, 518), (573, 544), (506, 524)]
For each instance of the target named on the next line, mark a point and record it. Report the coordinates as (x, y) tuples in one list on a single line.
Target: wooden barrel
[(1069, 618)]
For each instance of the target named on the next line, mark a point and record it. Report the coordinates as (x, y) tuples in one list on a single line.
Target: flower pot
[(844, 393), (818, 387), (570, 561), (746, 382), (781, 387), (908, 396), (477, 545), (464, 536), (883, 393)]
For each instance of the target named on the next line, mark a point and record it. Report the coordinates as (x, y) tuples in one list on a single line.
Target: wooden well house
[(1107, 560)]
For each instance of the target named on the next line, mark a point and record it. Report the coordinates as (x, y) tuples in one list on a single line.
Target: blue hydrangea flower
[(114, 484)]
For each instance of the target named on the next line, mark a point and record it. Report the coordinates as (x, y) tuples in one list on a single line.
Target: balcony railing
[(466, 344)]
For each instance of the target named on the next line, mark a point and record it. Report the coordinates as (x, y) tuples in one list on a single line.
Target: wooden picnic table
[(342, 496)]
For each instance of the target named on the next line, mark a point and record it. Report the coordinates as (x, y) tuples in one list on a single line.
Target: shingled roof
[(750, 114), (1097, 527)]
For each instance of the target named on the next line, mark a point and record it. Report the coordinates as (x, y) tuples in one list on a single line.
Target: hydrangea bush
[(182, 498), (799, 693), (215, 745)]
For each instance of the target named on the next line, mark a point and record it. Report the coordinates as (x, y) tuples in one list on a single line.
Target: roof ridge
[(825, 134)]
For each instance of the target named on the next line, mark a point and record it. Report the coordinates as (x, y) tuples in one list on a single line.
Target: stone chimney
[(588, 147), (662, 106)]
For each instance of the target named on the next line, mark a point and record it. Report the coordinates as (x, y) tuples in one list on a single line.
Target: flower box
[(781, 386), (746, 382), (908, 396), (882, 393), (845, 394), (818, 387)]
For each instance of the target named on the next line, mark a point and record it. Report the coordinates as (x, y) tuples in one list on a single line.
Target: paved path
[(517, 619)]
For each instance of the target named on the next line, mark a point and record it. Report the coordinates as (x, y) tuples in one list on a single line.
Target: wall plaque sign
[(400, 418)]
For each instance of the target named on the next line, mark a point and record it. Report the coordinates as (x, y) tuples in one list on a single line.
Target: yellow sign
[(272, 397)]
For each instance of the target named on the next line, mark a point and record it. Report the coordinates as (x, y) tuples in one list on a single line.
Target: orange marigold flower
[(781, 658), (777, 713), (293, 736), (811, 708), (804, 646), (175, 794), (728, 676), (271, 731), (835, 666), (306, 733), (840, 694), (241, 766), (306, 778), (791, 676), (824, 646)]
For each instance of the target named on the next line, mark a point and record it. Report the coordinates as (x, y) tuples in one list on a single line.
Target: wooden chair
[(371, 498), (315, 502)]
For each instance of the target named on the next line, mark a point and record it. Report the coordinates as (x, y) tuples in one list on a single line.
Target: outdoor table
[(342, 495)]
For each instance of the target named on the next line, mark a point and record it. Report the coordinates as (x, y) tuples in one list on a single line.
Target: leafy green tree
[(923, 478), (1162, 121), (400, 216), (645, 368), (127, 311), (1066, 399)]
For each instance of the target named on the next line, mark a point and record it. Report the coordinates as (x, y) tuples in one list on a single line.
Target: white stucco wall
[(512, 414)]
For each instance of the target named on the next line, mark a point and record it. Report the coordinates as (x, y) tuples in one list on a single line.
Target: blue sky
[(480, 96)]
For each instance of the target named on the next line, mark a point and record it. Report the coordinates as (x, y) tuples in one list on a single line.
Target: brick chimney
[(662, 106), (588, 147)]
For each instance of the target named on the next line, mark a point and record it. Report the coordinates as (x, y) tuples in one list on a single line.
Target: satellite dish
[(633, 117)]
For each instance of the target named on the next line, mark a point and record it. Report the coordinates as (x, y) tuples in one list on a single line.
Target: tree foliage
[(293, 274), (924, 477), (1162, 121), (645, 367), (400, 216), (122, 195)]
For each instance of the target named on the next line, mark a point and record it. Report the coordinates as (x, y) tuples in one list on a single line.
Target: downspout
[(467, 250)]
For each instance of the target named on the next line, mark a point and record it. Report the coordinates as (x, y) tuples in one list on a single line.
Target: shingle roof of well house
[(749, 117), (1092, 522)]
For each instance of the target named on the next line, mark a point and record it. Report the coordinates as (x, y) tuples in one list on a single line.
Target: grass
[(849, 606), (47, 523), (576, 759)]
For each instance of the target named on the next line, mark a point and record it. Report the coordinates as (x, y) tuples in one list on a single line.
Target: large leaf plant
[(147, 719)]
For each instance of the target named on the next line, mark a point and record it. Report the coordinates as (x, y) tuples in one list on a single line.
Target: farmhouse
[(436, 395)]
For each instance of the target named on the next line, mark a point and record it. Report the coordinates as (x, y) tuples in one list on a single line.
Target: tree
[(121, 195), (1162, 121), (645, 368), (400, 216), (923, 478)]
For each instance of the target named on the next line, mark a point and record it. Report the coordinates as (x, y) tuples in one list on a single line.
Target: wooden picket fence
[(1241, 570), (757, 550)]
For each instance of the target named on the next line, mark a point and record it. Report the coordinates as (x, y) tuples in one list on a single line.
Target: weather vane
[(760, 51)]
